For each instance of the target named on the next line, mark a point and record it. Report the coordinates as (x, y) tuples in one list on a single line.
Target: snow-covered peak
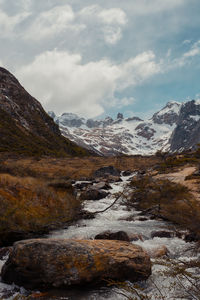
[(171, 107), (169, 114), (197, 101), (136, 136)]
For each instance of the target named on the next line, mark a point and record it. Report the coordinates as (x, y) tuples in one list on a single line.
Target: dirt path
[(179, 177)]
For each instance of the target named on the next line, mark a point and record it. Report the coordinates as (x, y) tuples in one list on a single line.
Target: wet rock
[(102, 185), (4, 252), (135, 237), (112, 178), (126, 173), (87, 215), (81, 185), (142, 219), (93, 194), (45, 263), (141, 172), (191, 237), (162, 234), (158, 252), (108, 235), (105, 171)]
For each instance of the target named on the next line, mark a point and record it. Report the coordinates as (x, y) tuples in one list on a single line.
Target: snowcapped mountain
[(168, 130)]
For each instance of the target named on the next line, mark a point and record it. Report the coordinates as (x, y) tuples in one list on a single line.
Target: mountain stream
[(117, 218)]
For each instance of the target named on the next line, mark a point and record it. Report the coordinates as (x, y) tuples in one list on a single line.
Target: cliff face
[(24, 125), (187, 132)]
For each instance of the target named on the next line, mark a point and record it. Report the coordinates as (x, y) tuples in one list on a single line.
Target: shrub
[(167, 199)]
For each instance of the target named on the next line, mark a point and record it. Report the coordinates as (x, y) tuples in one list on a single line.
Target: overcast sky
[(96, 58)]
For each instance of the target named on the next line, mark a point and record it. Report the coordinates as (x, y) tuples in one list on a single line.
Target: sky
[(98, 58)]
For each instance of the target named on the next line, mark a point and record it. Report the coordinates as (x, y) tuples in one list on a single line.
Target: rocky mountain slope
[(173, 128), (24, 125)]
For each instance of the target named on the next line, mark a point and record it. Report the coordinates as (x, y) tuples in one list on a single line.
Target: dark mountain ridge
[(24, 125)]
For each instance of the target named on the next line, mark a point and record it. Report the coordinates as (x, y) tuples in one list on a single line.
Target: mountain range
[(174, 128), (26, 128)]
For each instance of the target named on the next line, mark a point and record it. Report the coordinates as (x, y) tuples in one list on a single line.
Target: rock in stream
[(44, 263)]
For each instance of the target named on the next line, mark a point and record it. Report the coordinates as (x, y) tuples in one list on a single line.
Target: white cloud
[(113, 16), (112, 35), (185, 42), (109, 21), (138, 69), (195, 50), (63, 83), (8, 23), (186, 57), (53, 22)]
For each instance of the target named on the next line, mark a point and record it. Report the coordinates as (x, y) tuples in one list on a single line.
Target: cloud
[(185, 42), (63, 83), (138, 69), (195, 50), (8, 23), (53, 22), (109, 21), (113, 16), (186, 57)]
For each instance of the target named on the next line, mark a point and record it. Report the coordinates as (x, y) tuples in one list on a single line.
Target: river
[(159, 285)]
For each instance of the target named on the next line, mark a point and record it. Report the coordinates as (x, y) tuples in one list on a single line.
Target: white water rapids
[(158, 286)]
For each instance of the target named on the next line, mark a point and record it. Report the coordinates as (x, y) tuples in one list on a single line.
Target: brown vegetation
[(71, 167), (30, 205), (166, 199)]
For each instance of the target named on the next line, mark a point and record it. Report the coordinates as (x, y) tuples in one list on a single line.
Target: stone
[(102, 185), (162, 234), (46, 263), (158, 252), (105, 171), (4, 252), (81, 185), (135, 237), (191, 237), (126, 173), (112, 178), (108, 235), (93, 194)]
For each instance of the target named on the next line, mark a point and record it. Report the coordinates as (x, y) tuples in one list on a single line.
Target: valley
[(97, 209)]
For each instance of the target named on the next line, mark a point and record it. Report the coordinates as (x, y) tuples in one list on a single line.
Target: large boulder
[(106, 171), (45, 263)]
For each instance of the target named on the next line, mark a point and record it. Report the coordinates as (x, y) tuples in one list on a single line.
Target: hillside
[(25, 128)]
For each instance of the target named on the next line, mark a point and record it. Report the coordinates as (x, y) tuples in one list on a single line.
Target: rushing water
[(158, 286)]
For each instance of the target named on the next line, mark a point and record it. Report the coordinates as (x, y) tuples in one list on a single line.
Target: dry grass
[(28, 204), (36, 192), (170, 200), (72, 167)]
